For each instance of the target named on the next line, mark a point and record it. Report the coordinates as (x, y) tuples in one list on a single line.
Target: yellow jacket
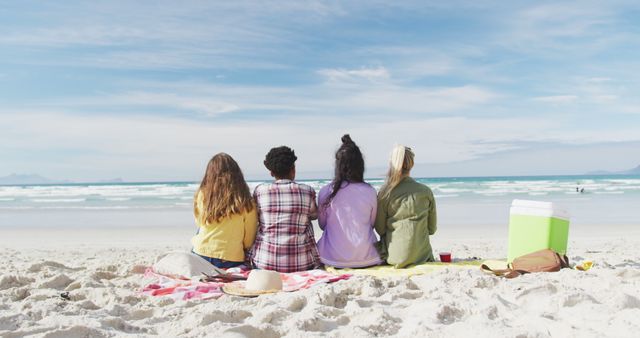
[(226, 239)]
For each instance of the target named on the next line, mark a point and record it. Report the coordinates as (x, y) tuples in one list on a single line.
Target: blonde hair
[(400, 165), (223, 191)]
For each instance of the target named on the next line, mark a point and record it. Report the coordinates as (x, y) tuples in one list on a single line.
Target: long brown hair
[(224, 191)]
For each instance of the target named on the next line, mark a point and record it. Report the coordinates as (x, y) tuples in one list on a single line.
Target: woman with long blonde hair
[(406, 214), (225, 214)]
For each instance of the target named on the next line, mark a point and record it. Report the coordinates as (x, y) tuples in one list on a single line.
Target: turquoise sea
[(461, 200)]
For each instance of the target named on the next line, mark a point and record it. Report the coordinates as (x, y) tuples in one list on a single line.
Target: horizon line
[(321, 179)]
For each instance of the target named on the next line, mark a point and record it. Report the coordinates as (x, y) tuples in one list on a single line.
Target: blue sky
[(149, 90)]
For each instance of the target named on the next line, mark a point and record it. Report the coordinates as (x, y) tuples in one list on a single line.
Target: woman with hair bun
[(406, 214), (347, 211)]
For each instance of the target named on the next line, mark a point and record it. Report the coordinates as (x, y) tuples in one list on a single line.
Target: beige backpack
[(545, 260)]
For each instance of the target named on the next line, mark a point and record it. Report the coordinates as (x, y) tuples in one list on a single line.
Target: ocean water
[(461, 201)]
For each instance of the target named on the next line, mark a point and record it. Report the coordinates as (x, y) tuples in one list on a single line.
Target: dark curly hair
[(349, 166), (280, 161)]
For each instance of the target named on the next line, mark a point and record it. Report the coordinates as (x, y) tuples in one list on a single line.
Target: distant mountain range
[(27, 179), (634, 171)]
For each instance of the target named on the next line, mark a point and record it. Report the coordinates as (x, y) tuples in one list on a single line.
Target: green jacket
[(404, 221)]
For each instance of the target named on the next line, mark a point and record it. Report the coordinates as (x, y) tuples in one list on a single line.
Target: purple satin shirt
[(348, 239)]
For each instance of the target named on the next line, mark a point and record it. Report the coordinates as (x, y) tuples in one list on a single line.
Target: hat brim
[(240, 290), (493, 265)]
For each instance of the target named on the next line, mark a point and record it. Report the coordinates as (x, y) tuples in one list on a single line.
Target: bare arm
[(313, 214), (250, 228)]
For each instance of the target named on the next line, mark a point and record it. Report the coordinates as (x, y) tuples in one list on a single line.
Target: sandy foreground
[(101, 270)]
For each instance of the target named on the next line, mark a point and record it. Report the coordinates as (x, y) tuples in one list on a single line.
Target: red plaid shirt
[(285, 240)]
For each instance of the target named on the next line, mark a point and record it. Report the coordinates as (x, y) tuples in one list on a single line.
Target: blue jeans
[(221, 263)]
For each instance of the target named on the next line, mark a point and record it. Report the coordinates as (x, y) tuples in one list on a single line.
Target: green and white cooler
[(534, 226)]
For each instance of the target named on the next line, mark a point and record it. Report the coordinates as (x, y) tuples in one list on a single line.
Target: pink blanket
[(181, 289)]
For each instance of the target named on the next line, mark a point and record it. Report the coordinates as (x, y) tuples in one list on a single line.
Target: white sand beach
[(129, 127), (102, 271)]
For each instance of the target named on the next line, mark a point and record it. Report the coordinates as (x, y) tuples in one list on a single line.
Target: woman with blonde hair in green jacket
[(406, 214)]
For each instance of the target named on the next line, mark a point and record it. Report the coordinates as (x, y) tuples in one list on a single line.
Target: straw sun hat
[(259, 282)]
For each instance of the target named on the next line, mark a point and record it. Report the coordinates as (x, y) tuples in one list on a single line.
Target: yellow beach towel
[(420, 269)]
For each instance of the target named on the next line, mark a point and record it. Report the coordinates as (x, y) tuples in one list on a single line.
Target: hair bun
[(346, 139)]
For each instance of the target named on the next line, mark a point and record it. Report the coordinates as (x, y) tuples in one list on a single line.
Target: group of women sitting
[(272, 228)]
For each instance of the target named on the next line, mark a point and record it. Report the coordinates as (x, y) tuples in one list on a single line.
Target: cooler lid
[(538, 208)]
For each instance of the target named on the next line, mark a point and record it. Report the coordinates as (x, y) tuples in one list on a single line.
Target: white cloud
[(169, 147), (429, 68), (605, 98), (369, 74), (556, 98), (137, 147), (599, 79), (398, 99), (379, 100), (563, 27), (483, 106), (199, 104)]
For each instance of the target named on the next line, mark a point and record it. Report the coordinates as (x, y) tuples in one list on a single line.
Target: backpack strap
[(508, 273)]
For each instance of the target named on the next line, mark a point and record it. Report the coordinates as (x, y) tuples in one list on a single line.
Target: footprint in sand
[(13, 281), (377, 323), (10, 323), (409, 295), (296, 304), (20, 294), (491, 312), (233, 316), (626, 301), (120, 324), (248, 331), (138, 269), (88, 305), (627, 274), (335, 299), (51, 264), (486, 282), (450, 314), (316, 324), (58, 282), (271, 315), (141, 314), (543, 290), (365, 303), (578, 298), (75, 332), (100, 275)]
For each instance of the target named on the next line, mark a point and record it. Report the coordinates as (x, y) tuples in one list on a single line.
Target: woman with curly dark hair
[(347, 213), (285, 241)]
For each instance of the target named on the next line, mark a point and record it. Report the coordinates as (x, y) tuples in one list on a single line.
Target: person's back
[(347, 210), (348, 240), (406, 216), (225, 214), (226, 239), (409, 218), (285, 241)]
